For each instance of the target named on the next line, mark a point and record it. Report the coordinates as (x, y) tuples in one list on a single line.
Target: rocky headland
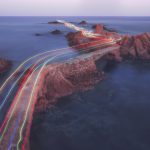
[(62, 79), (131, 46), (56, 32)]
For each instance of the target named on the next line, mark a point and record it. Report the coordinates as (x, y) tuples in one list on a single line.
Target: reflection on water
[(114, 115)]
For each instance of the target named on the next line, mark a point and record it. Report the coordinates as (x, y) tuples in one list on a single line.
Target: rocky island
[(83, 23)]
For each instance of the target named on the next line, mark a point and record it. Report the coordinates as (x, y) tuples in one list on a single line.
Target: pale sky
[(74, 7)]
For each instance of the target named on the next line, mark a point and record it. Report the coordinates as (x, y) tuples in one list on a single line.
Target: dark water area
[(114, 115)]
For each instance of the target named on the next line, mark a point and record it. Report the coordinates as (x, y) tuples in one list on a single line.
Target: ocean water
[(18, 40), (112, 116)]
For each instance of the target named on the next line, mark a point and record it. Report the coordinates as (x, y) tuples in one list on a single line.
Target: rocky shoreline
[(131, 46), (66, 78), (62, 79)]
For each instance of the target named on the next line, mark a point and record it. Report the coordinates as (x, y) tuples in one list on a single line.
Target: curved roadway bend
[(15, 128)]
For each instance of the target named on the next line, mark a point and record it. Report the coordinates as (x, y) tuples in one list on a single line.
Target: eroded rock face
[(4, 65), (77, 38), (63, 79), (101, 29), (59, 80), (131, 47), (137, 46)]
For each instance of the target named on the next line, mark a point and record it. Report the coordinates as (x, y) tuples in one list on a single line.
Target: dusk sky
[(74, 7)]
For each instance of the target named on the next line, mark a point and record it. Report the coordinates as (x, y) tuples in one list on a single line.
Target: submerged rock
[(38, 34), (137, 46)]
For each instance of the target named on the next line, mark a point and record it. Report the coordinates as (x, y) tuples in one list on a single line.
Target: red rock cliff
[(135, 47), (66, 78), (63, 79)]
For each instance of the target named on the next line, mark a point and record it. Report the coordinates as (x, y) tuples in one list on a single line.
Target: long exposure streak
[(18, 118)]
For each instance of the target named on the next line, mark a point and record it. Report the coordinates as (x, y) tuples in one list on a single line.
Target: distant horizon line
[(66, 16)]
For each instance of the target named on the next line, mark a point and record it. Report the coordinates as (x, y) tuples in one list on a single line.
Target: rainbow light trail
[(10, 115), (15, 83), (20, 93), (18, 118), (3, 102)]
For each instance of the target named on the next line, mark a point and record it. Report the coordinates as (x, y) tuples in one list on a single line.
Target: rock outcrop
[(83, 23), (63, 79), (81, 74), (131, 46), (77, 38), (4, 65), (99, 28), (56, 32), (54, 22), (137, 46), (102, 28)]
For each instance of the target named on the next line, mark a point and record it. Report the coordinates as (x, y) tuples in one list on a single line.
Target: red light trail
[(18, 118)]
